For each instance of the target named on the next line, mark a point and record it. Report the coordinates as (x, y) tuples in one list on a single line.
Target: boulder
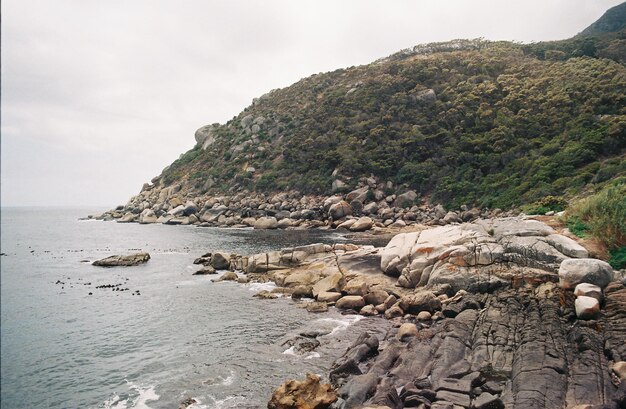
[(265, 295), (620, 370), (362, 224), (317, 307), (588, 290), (124, 261), (332, 283), (229, 276), (584, 270), (587, 308), (488, 401), (284, 223), (424, 316), (370, 208), (394, 312), (310, 393), (420, 301), (368, 311), (406, 199), (266, 223), (190, 208), (328, 296), (339, 210), (407, 330), (205, 270), (353, 302), (376, 297), (220, 261), (452, 217), (356, 287)]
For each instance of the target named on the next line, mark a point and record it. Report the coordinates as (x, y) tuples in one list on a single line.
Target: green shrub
[(618, 258), (546, 204), (604, 214)]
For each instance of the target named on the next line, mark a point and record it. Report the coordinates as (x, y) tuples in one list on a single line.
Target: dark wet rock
[(317, 307), (187, 402), (125, 260)]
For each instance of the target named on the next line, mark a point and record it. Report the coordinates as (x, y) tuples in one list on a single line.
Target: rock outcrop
[(123, 260), (307, 394)]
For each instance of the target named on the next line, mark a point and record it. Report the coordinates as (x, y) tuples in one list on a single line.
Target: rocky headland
[(502, 312)]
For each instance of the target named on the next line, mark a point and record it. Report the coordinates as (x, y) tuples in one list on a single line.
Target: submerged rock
[(125, 260)]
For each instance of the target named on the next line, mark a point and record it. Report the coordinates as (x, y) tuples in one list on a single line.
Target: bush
[(546, 204), (603, 214), (618, 258)]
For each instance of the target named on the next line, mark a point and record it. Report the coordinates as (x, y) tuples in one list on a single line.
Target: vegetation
[(492, 124), (603, 216)]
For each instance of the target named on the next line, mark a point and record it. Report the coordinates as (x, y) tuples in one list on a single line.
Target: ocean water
[(170, 336)]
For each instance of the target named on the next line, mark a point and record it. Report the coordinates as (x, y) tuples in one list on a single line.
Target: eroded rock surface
[(123, 260)]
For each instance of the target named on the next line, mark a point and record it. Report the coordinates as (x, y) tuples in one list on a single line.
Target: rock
[(398, 224), (340, 210), (407, 330), (347, 224), (205, 270), (309, 393), (376, 297), (370, 208), (229, 276), (265, 295), (567, 246), (452, 217), (317, 307), (353, 302), (126, 261), (455, 398), (332, 283), (588, 290), (220, 261), (301, 291), (190, 208), (424, 316), (187, 402), (327, 296), (127, 218), (266, 223), (356, 287), (427, 96), (362, 224), (585, 270), (406, 199), (620, 370), (587, 308), (285, 223), (488, 401), (394, 312), (368, 311), (338, 185), (420, 301)]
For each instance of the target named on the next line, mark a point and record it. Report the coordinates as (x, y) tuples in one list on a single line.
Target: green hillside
[(494, 124), (613, 20)]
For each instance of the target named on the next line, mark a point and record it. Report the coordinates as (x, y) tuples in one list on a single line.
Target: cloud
[(98, 97)]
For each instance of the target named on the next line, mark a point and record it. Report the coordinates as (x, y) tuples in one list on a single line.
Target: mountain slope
[(613, 20), (465, 122)]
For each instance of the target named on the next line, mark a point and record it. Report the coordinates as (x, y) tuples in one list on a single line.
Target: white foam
[(256, 287), (228, 380), (341, 323), (290, 351), (227, 402), (312, 355), (144, 395)]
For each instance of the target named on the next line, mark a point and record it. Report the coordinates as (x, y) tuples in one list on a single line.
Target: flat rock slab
[(124, 261)]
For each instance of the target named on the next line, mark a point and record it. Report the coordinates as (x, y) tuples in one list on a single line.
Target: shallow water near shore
[(170, 336)]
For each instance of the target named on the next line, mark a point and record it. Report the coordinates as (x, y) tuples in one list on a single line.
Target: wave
[(142, 395), (341, 324)]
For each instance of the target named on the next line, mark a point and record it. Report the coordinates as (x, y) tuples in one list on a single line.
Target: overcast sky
[(99, 96)]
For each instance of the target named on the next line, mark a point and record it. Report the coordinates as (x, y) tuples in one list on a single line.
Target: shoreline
[(443, 308)]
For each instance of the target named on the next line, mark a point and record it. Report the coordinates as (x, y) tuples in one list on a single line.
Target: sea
[(151, 336)]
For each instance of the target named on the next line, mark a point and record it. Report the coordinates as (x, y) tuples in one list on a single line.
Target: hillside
[(493, 124), (613, 20)]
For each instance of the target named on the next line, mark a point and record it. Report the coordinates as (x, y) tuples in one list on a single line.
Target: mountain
[(613, 20), (466, 122)]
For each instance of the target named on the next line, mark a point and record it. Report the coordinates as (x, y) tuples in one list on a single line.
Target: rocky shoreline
[(371, 205), (502, 312)]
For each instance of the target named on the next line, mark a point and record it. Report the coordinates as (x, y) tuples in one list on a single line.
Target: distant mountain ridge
[(493, 124)]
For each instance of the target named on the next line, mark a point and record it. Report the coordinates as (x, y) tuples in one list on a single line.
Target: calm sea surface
[(181, 336)]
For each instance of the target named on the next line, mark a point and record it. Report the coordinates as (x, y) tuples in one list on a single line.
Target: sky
[(99, 96)]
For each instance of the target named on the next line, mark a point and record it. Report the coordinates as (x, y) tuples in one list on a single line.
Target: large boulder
[(406, 199), (362, 224), (310, 393), (220, 261), (266, 223), (332, 283), (587, 307), (420, 301), (586, 270), (125, 261), (350, 302), (339, 210)]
